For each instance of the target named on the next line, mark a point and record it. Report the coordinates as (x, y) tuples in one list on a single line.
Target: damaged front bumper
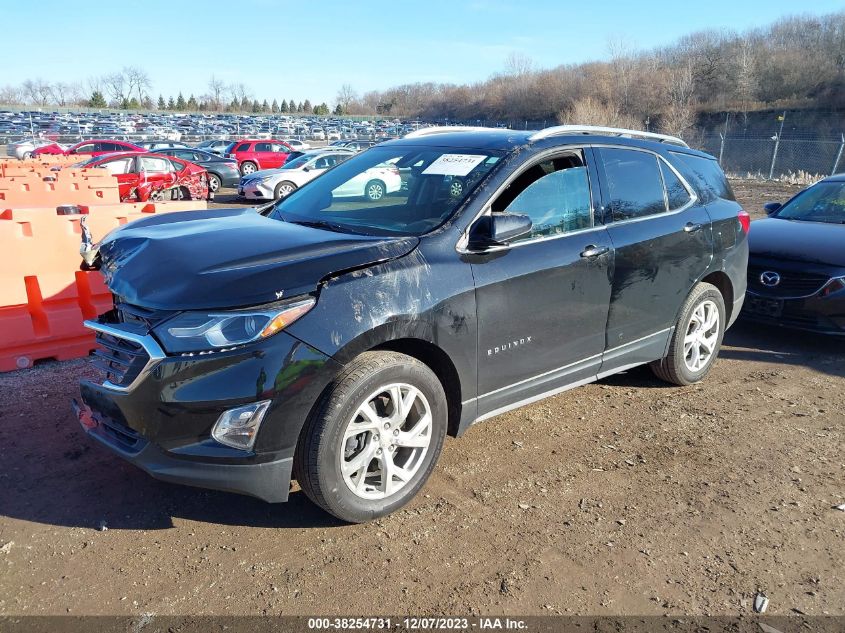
[(161, 418), (268, 481)]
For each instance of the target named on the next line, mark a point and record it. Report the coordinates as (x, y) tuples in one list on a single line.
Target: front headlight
[(209, 331)]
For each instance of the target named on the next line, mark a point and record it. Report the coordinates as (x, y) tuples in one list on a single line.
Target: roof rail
[(560, 130), (444, 129)]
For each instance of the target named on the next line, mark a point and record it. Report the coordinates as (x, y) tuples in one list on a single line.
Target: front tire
[(697, 338), (284, 189), (373, 438)]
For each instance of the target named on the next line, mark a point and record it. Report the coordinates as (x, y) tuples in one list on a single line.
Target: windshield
[(824, 202), (296, 163), (385, 191)]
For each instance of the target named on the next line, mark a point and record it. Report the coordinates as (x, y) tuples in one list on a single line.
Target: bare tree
[(115, 85), (346, 96), (518, 64), (622, 61), (679, 116), (137, 81), (746, 76), (38, 91), (216, 88), (11, 95), (591, 111), (60, 92)]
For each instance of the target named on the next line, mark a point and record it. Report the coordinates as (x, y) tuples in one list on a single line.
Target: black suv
[(336, 340)]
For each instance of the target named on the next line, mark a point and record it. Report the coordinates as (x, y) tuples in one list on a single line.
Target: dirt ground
[(621, 497)]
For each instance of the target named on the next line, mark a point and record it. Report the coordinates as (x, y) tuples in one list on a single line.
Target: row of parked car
[(135, 126)]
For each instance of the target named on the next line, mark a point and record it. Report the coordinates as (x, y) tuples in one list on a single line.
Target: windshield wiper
[(325, 224)]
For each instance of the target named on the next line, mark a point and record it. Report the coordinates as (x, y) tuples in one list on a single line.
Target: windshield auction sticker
[(453, 165)]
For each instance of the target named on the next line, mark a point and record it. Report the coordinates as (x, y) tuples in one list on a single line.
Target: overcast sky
[(299, 49)]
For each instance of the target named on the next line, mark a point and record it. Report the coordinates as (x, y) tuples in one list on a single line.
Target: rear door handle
[(691, 227), (593, 251)]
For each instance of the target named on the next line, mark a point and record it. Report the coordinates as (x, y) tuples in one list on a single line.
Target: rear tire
[(248, 167), (214, 183), (697, 338), (375, 190), (359, 457)]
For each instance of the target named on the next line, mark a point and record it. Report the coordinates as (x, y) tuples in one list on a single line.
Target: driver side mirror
[(498, 229), (772, 207)]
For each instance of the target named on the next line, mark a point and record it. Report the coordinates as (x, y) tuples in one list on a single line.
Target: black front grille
[(127, 439), (138, 316), (792, 284), (120, 359)]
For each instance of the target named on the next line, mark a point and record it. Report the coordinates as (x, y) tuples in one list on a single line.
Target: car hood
[(230, 258), (264, 173), (814, 242)]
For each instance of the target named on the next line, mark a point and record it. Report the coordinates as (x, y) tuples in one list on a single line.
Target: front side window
[(389, 191), (634, 183), (555, 194), (85, 149)]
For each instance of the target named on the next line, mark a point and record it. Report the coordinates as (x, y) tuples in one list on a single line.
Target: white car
[(24, 148), (318, 134), (299, 146), (373, 184)]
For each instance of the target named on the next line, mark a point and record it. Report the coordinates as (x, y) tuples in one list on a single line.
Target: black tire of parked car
[(214, 182), (248, 167), (673, 368), (375, 190), (317, 462), (284, 189)]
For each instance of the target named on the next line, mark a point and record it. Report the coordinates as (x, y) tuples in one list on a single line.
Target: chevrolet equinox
[(337, 340)]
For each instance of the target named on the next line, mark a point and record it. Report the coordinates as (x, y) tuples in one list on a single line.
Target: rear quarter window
[(705, 175)]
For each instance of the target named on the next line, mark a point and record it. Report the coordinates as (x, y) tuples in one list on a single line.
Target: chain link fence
[(775, 157)]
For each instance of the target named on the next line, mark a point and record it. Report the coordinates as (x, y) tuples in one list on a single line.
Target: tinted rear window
[(705, 175)]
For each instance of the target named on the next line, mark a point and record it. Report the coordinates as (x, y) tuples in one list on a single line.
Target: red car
[(92, 148), (253, 155), (148, 176)]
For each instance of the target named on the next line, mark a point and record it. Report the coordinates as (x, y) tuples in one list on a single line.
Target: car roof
[(503, 139)]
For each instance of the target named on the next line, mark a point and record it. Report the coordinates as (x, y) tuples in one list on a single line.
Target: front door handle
[(593, 251), (691, 227)]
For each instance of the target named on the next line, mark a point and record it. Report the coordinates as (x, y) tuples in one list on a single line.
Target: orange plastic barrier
[(44, 297), (31, 190)]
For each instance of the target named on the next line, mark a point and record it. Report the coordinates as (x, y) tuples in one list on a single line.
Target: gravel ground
[(621, 497)]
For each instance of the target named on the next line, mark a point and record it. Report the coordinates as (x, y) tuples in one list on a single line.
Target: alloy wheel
[(375, 191), (701, 336), (385, 442)]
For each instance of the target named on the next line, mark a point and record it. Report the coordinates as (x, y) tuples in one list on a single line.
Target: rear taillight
[(744, 220)]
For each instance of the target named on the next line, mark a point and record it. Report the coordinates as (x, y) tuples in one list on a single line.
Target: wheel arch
[(721, 280), (439, 362)]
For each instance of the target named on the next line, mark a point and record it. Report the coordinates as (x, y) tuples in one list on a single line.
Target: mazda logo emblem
[(770, 278)]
